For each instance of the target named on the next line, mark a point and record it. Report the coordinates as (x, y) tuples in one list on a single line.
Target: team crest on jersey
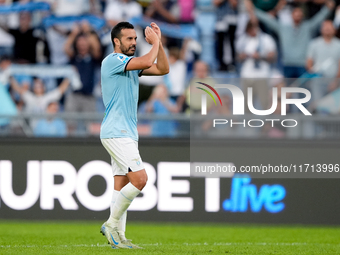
[(124, 59)]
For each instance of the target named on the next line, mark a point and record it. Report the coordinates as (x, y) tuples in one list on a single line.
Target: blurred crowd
[(263, 43)]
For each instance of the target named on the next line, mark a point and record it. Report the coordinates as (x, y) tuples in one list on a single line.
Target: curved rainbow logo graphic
[(209, 93)]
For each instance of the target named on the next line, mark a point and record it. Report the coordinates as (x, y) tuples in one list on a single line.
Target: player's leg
[(120, 179), (119, 182), (123, 201), (125, 153), (131, 162), (127, 194)]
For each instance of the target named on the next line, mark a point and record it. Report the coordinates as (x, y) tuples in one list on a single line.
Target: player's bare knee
[(139, 181), (138, 184), (144, 180)]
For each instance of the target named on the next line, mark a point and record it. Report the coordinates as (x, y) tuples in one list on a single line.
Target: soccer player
[(119, 79)]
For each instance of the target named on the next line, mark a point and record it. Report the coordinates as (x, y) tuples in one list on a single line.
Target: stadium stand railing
[(185, 126)]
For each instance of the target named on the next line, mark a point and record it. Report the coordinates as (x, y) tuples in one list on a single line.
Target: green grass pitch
[(73, 237)]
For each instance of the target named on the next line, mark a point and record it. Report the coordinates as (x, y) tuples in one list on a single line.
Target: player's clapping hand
[(150, 36), (156, 29)]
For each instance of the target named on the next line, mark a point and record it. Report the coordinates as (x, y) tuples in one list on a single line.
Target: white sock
[(122, 226), (114, 197), (123, 200), (122, 220)]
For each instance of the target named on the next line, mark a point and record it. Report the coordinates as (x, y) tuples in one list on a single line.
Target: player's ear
[(117, 41)]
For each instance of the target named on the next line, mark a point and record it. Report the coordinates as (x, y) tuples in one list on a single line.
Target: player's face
[(128, 42)]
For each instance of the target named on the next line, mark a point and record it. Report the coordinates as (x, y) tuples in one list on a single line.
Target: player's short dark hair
[(116, 31)]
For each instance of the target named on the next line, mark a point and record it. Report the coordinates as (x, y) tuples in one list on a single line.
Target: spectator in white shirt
[(175, 80), (71, 7), (256, 51), (37, 101), (121, 10), (323, 57)]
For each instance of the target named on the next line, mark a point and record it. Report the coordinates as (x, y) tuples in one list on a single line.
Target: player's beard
[(125, 50)]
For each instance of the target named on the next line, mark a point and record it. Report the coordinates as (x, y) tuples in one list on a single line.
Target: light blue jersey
[(120, 96)]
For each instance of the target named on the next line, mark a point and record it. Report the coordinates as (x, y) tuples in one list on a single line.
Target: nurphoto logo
[(238, 101)]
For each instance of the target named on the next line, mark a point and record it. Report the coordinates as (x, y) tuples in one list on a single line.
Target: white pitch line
[(161, 244)]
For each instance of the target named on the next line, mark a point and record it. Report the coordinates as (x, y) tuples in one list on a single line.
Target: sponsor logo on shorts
[(137, 161)]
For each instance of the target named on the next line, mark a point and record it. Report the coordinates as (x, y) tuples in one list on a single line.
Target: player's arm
[(146, 61), (162, 65)]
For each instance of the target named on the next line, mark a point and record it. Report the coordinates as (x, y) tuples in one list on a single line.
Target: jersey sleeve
[(118, 63)]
